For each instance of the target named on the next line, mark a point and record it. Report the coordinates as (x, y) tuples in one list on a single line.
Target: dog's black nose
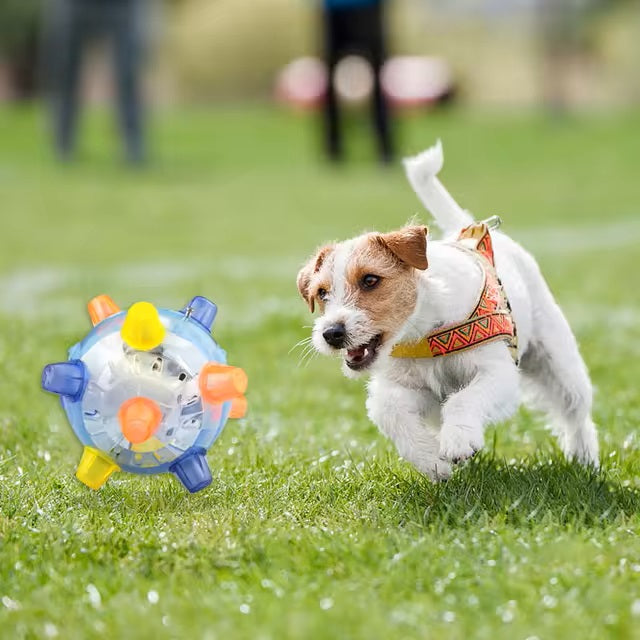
[(335, 335)]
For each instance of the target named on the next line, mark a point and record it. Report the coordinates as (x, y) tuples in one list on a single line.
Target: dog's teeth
[(366, 352)]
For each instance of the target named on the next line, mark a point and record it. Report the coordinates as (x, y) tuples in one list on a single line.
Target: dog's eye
[(322, 294), (369, 281)]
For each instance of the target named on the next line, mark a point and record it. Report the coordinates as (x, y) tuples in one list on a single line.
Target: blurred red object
[(302, 83), (407, 81), (410, 81)]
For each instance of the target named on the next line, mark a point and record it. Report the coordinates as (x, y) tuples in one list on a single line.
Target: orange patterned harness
[(490, 319)]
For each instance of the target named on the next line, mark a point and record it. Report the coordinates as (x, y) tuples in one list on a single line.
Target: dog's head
[(365, 289)]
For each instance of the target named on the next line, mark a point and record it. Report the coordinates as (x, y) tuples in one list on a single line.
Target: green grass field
[(312, 528)]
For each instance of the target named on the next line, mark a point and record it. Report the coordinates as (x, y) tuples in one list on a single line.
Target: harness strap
[(491, 318)]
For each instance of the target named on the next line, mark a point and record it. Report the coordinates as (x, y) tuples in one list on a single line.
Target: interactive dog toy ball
[(148, 391)]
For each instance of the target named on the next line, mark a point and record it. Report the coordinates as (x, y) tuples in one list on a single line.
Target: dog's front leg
[(492, 395), (409, 417)]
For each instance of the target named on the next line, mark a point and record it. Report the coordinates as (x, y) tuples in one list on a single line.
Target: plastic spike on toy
[(101, 307), (148, 390), (142, 328)]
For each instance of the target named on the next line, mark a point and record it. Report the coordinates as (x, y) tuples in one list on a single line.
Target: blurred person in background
[(355, 27), (563, 31), (19, 40), (71, 25)]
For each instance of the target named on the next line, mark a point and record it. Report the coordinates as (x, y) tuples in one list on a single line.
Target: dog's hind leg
[(554, 371)]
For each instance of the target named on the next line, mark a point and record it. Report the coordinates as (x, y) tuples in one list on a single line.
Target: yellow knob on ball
[(95, 468), (142, 328)]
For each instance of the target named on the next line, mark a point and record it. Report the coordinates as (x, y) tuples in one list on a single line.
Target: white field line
[(578, 239), (583, 317), (54, 292)]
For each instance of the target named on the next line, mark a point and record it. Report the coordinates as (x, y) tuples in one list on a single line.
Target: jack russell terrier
[(448, 332)]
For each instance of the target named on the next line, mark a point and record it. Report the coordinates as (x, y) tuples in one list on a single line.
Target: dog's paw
[(582, 447), (441, 471), (437, 470), (459, 442)]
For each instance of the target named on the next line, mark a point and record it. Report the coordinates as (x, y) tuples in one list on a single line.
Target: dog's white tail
[(422, 173)]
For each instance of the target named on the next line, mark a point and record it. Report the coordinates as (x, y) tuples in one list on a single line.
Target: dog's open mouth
[(361, 357)]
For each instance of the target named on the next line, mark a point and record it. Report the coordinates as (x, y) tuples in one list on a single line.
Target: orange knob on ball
[(101, 307), (220, 382), (238, 407), (139, 419)]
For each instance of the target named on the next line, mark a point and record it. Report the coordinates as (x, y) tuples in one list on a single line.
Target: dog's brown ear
[(304, 275), (304, 278), (409, 245)]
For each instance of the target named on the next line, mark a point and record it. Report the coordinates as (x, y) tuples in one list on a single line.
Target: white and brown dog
[(379, 292)]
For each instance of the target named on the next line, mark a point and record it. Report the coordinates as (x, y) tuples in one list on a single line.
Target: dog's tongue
[(356, 354)]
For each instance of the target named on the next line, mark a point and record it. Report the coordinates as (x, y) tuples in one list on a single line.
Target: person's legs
[(333, 134), (127, 59), (65, 48), (377, 53), (381, 118), (331, 114)]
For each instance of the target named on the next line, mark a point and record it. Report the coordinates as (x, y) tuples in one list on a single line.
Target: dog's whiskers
[(307, 356), (309, 359), (301, 343)]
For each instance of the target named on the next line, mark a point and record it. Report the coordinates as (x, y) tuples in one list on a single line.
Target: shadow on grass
[(550, 490), (486, 491)]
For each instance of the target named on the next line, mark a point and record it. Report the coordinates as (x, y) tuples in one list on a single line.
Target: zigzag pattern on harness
[(480, 330)]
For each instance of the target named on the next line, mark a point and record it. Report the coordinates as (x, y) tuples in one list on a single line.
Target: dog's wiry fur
[(436, 409)]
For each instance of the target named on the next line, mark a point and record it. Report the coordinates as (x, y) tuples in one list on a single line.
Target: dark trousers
[(73, 24), (360, 31)]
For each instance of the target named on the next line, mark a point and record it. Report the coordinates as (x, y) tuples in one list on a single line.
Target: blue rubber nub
[(202, 310), (67, 379), (192, 469)]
